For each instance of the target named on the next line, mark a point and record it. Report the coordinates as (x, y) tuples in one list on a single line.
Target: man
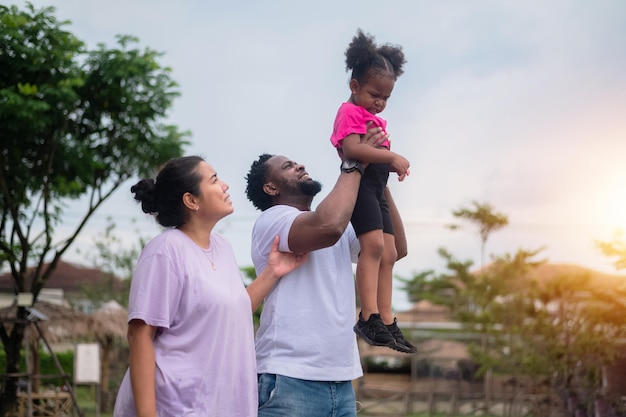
[(307, 354)]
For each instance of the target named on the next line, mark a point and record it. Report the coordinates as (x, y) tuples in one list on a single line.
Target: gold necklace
[(211, 259)]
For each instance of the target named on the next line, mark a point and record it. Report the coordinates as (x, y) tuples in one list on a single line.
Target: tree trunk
[(36, 364), (106, 360), (12, 348), (106, 403)]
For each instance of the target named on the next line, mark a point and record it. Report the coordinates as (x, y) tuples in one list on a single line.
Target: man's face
[(288, 177)]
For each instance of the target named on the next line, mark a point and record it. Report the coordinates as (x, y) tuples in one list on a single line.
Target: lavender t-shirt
[(205, 359)]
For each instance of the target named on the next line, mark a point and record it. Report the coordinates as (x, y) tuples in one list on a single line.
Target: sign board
[(87, 363)]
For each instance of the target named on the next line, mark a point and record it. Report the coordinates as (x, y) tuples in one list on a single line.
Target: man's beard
[(310, 188)]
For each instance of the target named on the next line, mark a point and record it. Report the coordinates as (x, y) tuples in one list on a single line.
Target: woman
[(190, 316)]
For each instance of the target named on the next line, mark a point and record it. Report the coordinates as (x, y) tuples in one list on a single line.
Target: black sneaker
[(374, 331), (402, 344)]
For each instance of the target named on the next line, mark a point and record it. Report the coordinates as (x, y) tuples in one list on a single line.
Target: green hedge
[(66, 359)]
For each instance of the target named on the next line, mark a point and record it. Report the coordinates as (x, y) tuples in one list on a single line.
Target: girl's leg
[(385, 278), (369, 326), (385, 290), (367, 270)]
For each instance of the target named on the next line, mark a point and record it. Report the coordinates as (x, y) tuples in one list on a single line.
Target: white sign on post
[(87, 363)]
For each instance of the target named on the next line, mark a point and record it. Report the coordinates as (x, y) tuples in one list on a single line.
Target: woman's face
[(214, 202)]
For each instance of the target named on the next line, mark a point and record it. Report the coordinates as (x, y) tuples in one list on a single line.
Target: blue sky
[(518, 104)]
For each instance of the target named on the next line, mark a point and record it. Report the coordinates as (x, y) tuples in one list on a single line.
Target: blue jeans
[(281, 396)]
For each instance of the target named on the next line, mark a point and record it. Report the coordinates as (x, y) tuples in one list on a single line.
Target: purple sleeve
[(155, 291)]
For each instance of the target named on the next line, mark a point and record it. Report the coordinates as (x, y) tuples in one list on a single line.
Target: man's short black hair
[(256, 178)]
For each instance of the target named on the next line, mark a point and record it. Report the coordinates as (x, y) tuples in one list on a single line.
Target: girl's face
[(374, 93)]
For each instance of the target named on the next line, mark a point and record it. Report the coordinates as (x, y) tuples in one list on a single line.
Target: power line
[(545, 227)]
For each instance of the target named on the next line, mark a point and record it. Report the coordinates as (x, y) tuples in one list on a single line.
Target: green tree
[(441, 288), (487, 220), (496, 304), (615, 248), (562, 329), (578, 323), (74, 123), (476, 300), (250, 274), (116, 263)]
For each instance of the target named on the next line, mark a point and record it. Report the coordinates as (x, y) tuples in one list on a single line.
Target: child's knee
[(390, 255), (372, 246)]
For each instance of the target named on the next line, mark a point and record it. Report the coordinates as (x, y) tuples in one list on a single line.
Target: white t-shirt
[(205, 363), (307, 319)]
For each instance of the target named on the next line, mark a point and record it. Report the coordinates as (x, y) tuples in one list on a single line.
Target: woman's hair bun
[(145, 192)]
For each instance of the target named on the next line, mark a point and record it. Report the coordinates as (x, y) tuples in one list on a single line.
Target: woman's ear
[(190, 201)]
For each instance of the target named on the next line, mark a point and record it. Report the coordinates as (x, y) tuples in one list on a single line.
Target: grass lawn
[(86, 397)]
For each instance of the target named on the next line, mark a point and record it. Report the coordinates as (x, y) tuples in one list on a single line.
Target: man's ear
[(354, 86), (270, 189)]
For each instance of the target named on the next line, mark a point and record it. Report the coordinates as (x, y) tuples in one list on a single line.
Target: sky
[(518, 104)]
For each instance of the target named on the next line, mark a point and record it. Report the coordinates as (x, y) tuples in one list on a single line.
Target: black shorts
[(371, 211)]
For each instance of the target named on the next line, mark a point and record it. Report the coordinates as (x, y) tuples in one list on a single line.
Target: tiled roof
[(67, 276)]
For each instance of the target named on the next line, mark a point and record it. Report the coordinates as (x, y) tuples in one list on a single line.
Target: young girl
[(374, 72)]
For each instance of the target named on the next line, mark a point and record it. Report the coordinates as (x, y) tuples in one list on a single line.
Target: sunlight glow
[(616, 206)]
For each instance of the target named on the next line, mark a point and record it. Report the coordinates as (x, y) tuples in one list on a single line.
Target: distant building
[(66, 286)]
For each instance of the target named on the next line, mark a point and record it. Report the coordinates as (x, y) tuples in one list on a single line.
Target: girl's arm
[(323, 227), (353, 148), (278, 265), (142, 367), (398, 226)]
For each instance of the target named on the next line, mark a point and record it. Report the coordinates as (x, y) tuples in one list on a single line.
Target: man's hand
[(375, 136)]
